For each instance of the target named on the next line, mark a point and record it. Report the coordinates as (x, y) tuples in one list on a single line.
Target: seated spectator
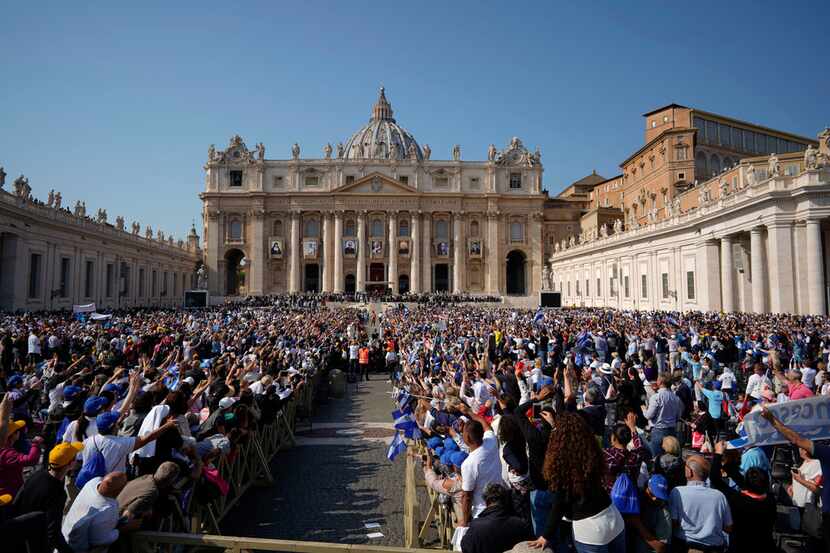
[(92, 521), (495, 529), (700, 515)]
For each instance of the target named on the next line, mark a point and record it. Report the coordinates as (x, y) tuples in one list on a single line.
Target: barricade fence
[(418, 532)]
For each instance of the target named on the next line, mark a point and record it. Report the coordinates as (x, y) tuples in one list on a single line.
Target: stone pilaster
[(361, 251), (338, 252)]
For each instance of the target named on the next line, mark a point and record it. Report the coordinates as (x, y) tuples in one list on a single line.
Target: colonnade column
[(710, 277), (815, 268), (426, 284), (294, 254), (327, 257), (492, 253), (361, 251), (459, 254), (781, 283), (759, 281), (393, 252), (338, 252), (415, 254), (727, 274)]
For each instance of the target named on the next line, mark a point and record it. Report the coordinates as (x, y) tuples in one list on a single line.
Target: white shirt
[(808, 377), (34, 344), (91, 520), (809, 470), (72, 428), (354, 349), (114, 449), (480, 468), (727, 380), (481, 392), (755, 385)]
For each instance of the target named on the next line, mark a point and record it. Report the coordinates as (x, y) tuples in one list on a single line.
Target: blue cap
[(112, 387), (458, 458), (659, 487), (716, 385), (14, 381), (93, 405), (434, 442), (105, 421), (450, 445), (70, 392)]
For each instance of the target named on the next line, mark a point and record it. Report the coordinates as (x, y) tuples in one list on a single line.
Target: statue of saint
[(603, 230), (327, 149), (427, 151), (774, 166), (58, 200), (260, 151), (2, 177), (456, 153), (295, 151), (340, 150), (50, 199), (545, 277), (749, 176), (211, 152), (201, 278), (811, 158), (119, 222), (618, 226), (491, 152)]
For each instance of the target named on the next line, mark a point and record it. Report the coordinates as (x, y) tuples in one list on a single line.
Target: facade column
[(727, 274), (459, 269), (426, 283), (415, 254), (327, 251), (393, 251), (781, 282), (361, 251), (492, 253), (256, 260), (759, 284), (212, 240), (815, 268), (338, 252), (536, 247), (294, 254)]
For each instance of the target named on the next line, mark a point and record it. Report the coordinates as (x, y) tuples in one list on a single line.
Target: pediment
[(376, 183)]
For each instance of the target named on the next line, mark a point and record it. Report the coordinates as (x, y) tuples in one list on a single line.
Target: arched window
[(235, 230), (350, 228), (442, 229), (714, 165), (277, 230), (474, 229), (403, 227), (376, 229), (311, 228), (517, 231), (701, 166)]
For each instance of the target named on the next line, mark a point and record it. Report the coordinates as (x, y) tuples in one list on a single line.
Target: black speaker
[(194, 299), (550, 299)]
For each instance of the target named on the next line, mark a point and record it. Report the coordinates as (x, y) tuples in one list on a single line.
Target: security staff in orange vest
[(363, 359)]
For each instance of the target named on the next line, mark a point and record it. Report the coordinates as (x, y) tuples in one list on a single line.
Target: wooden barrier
[(440, 514)]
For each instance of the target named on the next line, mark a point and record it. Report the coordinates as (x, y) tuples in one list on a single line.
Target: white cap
[(226, 402)]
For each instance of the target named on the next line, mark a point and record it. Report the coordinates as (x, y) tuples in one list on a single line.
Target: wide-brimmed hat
[(605, 368)]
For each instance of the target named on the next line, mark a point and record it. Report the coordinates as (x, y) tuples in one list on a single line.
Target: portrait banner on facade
[(275, 247), (310, 249), (442, 249), (475, 248), (403, 247), (350, 247), (376, 248)]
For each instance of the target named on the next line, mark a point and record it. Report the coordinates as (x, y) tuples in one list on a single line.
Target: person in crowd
[(663, 412), (652, 527), (139, 498), (700, 515), (93, 519), (13, 461), (495, 529), (619, 458), (480, 468)]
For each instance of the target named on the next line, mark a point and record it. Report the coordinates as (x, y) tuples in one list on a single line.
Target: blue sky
[(117, 103)]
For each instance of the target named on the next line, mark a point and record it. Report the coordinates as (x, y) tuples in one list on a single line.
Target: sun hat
[(64, 453), (606, 369)]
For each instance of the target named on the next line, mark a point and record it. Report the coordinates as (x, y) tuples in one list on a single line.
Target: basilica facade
[(375, 212)]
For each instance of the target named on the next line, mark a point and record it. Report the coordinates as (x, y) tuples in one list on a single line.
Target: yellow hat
[(5, 499), (14, 426), (63, 454)]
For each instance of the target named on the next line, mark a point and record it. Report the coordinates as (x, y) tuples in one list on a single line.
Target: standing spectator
[(653, 525), (481, 467), (756, 382), (663, 411), (796, 388), (699, 513), (34, 346), (92, 521), (12, 461)]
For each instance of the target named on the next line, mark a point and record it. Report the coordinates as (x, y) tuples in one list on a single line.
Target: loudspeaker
[(194, 299), (550, 299)]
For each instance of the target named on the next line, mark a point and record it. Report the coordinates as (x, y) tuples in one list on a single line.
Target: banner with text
[(809, 417)]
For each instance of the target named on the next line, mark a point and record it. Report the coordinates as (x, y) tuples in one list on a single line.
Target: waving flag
[(539, 316), (396, 447)]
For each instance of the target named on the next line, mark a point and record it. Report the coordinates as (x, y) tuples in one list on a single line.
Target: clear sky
[(116, 103)]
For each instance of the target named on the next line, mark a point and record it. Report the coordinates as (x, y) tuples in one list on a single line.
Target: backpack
[(624, 495), (94, 467)]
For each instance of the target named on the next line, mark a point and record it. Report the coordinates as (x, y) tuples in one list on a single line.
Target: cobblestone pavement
[(335, 480)]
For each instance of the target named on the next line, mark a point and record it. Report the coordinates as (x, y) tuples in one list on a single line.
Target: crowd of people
[(608, 431), (586, 429)]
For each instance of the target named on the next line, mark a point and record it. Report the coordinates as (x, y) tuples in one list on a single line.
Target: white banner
[(809, 417), (100, 317), (88, 308)]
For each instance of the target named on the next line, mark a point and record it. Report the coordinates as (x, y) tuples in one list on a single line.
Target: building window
[(350, 228), (578, 290), (569, 287), (475, 182), (175, 284), (724, 135), (664, 281), (277, 227), (653, 124), (625, 286), (311, 228), (125, 279), (714, 165), (141, 282), (89, 276), (312, 181), (404, 179), (109, 280), (236, 178), (235, 230), (517, 231), (515, 180), (403, 227), (791, 169), (278, 182), (64, 282), (474, 229), (587, 288), (681, 176), (711, 132), (34, 275), (349, 179), (442, 229), (376, 228), (599, 287), (164, 284), (441, 182), (644, 286), (690, 285), (681, 152), (154, 285)]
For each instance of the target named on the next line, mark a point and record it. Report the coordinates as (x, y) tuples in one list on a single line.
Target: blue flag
[(396, 447)]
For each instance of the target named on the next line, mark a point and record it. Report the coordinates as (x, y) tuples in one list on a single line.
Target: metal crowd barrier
[(439, 514)]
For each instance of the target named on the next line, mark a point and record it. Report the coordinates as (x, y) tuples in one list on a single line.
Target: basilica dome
[(382, 138)]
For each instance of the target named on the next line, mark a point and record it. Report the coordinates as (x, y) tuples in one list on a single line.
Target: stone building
[(712, 214), (54, 258), (374, 212)]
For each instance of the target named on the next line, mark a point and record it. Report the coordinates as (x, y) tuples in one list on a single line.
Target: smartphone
[(537, 410)]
